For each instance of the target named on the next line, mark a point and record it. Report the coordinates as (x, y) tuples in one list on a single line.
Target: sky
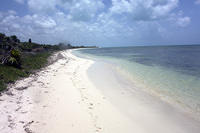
[(103, 22)]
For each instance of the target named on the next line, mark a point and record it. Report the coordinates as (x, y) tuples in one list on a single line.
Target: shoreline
[(137, 103), (121, 75), (166, 97), (73, 95)]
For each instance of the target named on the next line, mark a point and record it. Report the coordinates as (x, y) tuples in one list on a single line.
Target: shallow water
[(171, 72)]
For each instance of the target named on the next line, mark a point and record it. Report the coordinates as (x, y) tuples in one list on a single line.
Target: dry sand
[(62, 99)]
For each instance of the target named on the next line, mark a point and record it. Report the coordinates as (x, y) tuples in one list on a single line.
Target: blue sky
[(103, 22)]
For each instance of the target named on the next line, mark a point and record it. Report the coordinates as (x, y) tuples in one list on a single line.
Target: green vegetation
[(9, 74), (33, 62), (30, 63), (20, 59)]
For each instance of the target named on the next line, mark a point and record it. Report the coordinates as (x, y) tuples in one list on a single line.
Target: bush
[(15, 53), (15, 39), (9, 74), (13, 58)]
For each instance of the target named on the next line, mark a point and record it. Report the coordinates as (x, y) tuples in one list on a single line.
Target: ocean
[(170, 72)]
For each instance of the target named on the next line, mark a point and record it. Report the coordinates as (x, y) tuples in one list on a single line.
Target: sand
[(76, 95)]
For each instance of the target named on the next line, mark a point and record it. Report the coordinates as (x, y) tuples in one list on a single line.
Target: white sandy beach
[(75, 95)]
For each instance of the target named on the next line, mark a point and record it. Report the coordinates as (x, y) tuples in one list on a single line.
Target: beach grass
[(30, 63), (34, 62)]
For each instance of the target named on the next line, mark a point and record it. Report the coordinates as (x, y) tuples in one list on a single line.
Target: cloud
[(11, 12), (20, 1), (85, 10), (197, 2), (41, 6), (179, 19), (183, 22), (27, 26), (79, 10), (142, 10), (91, 21), (44, 22)]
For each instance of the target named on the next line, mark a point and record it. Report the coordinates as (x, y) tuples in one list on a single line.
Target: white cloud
[(12, 12), (184, 21), (80, 10), (28, 26), (44, 22), (20, 1), (85, 10), (179, 19), (42, 5), (90, 21), (197, 2), (144, 10)]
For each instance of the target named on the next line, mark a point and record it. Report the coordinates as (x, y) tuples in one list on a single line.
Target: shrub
[(13, 58), (15, 53)]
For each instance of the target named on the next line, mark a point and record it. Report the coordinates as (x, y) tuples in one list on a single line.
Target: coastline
[(75, 95), (151, 112)]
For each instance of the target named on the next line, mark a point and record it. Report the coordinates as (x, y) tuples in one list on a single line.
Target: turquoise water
[(170, 72)]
